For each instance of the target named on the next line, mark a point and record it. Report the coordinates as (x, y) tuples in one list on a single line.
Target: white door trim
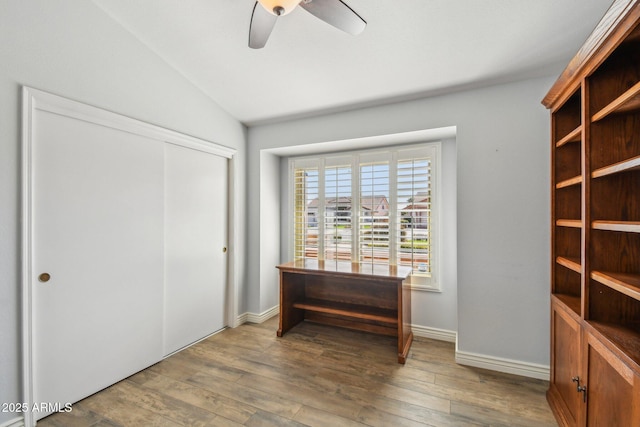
[(40, 100), (34, 99)]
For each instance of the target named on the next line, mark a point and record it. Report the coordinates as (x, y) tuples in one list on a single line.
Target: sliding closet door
[(195, 239), (97, 251)]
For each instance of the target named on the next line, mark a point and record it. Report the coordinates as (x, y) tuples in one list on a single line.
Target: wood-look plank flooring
[(313, 376)]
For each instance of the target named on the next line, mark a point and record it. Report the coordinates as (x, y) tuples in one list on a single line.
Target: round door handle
[(224, 250), (44, 277)]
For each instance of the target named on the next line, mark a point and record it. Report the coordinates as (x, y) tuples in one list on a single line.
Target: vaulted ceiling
[(409, 49)]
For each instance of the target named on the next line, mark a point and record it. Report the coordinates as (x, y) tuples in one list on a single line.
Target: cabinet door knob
[(44, 277), (224, 250)]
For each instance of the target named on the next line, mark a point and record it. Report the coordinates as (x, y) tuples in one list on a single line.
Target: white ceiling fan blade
[(262, 23), (336, 13)]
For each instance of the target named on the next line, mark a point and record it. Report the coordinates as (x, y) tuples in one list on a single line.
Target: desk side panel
[(292, 288)]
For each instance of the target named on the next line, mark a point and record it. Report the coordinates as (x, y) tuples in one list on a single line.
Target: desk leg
[(402, 356), (405, 335), (291, 290)]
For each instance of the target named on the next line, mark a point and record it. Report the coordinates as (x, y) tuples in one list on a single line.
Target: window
[(375, 206)]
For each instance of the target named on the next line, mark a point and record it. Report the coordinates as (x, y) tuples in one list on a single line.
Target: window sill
[(421, 283), (425, 288)]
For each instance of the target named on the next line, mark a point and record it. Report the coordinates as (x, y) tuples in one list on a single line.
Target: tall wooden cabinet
[(595, 230)]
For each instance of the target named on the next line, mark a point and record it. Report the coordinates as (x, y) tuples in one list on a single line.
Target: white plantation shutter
[(306, 204), (374, 213), (414, 214), (337, 212), (375, 206)]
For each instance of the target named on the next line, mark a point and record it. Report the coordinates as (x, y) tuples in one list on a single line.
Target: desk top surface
[(345, 267)]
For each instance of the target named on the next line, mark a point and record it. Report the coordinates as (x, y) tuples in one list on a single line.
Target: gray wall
[(502, 205), (270, 214), (72, 48)]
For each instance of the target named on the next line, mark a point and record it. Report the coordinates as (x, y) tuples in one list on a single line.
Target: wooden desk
[(366, 297)]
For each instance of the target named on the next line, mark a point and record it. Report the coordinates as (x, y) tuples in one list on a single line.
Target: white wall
[(438, 310), (71, 48), (270, 213), (502, 205)]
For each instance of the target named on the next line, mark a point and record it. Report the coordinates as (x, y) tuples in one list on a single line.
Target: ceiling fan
[(333, 12)]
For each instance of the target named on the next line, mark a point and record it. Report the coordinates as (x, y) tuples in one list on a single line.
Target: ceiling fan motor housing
[(279, 7)]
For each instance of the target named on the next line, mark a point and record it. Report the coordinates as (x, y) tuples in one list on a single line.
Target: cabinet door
[(565, 364), (613, 388)]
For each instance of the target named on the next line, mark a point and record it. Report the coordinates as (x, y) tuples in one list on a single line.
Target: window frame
[(392, 154)]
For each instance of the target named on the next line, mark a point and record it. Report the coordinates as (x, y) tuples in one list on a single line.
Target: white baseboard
[(433, 333), (531, 370), (256, 318), (16, 422), (241, 319)]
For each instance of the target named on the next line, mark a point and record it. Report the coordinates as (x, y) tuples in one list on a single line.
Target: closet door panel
[(98, 232), (195, 240)]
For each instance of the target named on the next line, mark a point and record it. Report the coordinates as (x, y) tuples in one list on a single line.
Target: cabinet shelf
[(570, 262), (571, 223), (628, 101), (625, 337), (569, 182), (624, 166), (573, 136), (570, 301), (623, 226), (355, 311), (628, 284)]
